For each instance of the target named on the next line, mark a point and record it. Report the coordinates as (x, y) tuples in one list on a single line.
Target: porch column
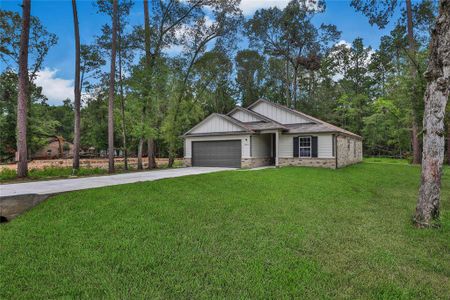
[(276, 147)]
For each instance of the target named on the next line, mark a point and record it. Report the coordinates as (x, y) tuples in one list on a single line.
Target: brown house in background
[(57, 147)]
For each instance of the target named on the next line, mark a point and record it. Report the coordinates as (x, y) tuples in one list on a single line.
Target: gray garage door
[(216, 154)]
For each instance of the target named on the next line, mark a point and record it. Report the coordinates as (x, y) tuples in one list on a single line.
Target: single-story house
[(267, 133), (56, 147)]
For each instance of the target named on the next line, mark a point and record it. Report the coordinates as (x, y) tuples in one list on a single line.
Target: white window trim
[(300, 147)]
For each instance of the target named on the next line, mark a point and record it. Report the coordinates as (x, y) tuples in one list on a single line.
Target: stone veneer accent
[(307, 162), (349, 151), (253, 162), (187, 162)]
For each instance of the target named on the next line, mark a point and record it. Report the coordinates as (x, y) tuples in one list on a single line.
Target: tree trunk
[(287, 85), (448, 141), (22, 99), (412, 53), (148, 59), (147, 33), (171, 160), (294, 88), (77, 92), (415, 140), (140, 146), (151, 153), (112, 91), (436, 97), (122, 99)]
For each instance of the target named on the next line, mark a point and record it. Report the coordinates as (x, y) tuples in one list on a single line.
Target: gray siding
[(261, 146), (324, 145), (244, 116), (216, 124), (278, 114)]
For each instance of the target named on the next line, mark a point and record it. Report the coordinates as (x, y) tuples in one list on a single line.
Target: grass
[(276, 233), (10, 176), (386, 160), (7, 175)]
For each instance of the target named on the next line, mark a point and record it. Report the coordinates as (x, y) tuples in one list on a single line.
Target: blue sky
[(56, 77)]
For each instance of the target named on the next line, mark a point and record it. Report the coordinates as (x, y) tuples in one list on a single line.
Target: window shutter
[(295, 146), (314, 146)]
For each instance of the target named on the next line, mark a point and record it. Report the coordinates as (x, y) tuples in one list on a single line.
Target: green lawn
[(274, 233), (386, 160), (10, 176)]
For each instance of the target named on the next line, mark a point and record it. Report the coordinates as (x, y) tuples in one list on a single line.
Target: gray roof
[(318, 128), (314, 126), (264, 126)]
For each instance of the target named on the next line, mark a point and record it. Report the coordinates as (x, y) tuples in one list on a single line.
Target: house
[(267, 133), (56, 147)]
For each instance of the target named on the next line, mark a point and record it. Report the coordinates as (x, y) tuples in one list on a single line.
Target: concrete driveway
[(49, 187)]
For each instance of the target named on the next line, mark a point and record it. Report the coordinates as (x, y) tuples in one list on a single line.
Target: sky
[(56, 77)]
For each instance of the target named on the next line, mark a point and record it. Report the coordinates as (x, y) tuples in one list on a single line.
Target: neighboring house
[(268, 133), (57, 147)]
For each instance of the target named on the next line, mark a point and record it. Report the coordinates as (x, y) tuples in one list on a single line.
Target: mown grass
[(276, 233)]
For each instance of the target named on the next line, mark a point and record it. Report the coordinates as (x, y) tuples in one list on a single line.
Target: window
[(304, 146), (354, 149)]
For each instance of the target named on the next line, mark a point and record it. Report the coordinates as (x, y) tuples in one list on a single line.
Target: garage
[(217, 154)]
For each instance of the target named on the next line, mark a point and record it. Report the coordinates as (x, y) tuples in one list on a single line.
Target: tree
[(291, 35), (124, 48), (22, 99), (169, 18), (415, 117), (353, 63), (148, 63), (436, 98), (77, 92), (39, 43), (38, 119), (250, 67), (379, 13), (112, 90), (94, 121), (381, 67), (91, 61), (212, 85), (227, 17)]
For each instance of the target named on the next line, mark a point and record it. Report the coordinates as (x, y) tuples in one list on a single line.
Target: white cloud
[(54, 88), (250, 6), (345, 43)]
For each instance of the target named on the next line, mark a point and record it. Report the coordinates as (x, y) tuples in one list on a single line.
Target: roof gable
[(244, 115), (217, 123), (279, 113), (308, 119)]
